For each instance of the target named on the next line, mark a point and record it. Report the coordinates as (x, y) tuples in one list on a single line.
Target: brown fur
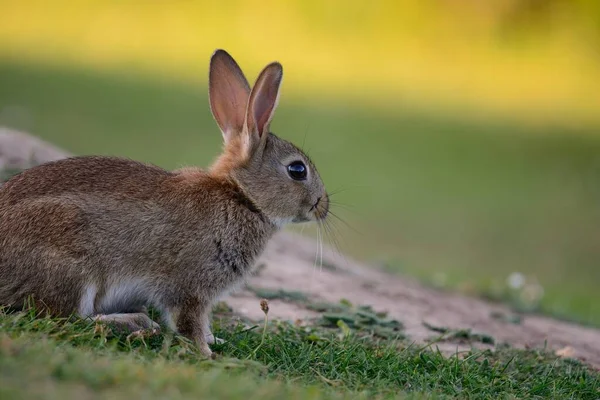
[(103, 237)]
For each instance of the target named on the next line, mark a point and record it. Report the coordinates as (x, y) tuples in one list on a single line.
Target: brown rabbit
[(104, 237)]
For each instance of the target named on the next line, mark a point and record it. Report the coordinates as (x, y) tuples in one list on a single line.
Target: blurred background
[(461, 136)]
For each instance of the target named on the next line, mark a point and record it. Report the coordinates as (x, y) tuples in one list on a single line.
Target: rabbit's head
[(276, 175)]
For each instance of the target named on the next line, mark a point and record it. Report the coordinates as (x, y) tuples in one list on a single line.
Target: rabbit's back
[(87, 174)]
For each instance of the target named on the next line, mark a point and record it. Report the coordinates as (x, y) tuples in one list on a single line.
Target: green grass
[(47, 358), (455, 202)]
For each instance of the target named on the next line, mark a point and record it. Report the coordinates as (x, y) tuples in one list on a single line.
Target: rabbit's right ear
[(228, 92)]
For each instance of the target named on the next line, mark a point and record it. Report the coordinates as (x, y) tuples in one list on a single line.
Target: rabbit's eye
[(297, 170)]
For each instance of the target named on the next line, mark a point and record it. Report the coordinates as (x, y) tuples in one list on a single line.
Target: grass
[(78, 358), (457, 203)]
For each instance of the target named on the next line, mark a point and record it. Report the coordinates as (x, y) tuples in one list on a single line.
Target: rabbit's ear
[(228, 92), (263, 100)]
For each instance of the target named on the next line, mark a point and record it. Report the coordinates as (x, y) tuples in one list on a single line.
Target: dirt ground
[(289, 264)]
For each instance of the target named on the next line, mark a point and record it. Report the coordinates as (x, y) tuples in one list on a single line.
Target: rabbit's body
[(122, 246), (105, 237)]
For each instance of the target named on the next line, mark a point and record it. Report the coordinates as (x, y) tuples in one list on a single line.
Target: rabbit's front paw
[(206, 351)]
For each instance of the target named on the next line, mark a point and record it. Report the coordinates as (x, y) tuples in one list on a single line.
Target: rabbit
[(105, 237)]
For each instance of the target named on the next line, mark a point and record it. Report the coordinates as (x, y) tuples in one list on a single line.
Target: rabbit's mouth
[(300, 219), (317, 212), (321, 208)]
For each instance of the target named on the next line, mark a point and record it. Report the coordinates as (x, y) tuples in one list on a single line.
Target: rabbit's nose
[(321, 207)]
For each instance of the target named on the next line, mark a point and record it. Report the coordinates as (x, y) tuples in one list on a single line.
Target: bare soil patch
[(289, 265)]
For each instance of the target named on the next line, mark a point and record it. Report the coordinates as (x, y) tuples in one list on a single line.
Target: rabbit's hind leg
[(129, 322)]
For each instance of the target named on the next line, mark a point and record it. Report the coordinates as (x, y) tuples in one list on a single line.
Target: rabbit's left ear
[(263, 101), (228, 92)]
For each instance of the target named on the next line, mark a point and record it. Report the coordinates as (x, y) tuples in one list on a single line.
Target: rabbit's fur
[(104, 237)]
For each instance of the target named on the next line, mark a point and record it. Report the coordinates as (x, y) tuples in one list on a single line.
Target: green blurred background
[(462, 135)]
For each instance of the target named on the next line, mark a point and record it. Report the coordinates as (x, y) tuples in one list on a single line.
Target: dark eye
[(297, 170)]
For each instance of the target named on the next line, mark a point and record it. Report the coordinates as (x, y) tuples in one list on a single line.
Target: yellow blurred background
[(463, 134), (534, 59)]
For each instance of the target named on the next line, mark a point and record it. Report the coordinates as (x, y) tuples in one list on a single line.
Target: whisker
[(304, 140), (346, 188), (333, 235), (316, 257), (335, 231), (339, 203), (322, 251), (320, 240), (343, 206), (343, 222), (337, 191), (307, 152)]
